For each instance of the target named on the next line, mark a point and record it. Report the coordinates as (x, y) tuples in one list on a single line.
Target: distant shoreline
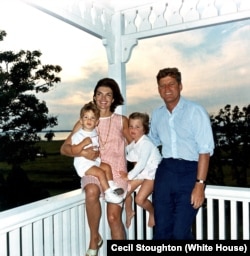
[(59, 134), (45, 131)]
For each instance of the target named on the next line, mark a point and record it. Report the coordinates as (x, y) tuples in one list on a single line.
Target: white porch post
[(118, 53)]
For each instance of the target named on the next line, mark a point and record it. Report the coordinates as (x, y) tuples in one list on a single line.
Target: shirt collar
[(180, 104)]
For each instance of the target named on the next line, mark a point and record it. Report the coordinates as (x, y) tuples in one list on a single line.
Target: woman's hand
[(90, 153)]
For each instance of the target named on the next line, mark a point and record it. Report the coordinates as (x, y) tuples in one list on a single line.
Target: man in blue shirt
[(183, 129)]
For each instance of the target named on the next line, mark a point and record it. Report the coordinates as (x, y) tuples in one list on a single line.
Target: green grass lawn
[(52, 171), (56, 173)]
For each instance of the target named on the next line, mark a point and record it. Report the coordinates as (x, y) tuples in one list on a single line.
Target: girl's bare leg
[(130, 213), (142, 200)]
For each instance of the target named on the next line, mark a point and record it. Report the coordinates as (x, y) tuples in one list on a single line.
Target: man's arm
[(198, 193)]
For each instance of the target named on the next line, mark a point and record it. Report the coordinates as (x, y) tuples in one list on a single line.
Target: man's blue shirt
[(185, 133)]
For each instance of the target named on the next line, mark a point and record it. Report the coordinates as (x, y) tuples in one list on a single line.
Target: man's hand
[(198, 195)]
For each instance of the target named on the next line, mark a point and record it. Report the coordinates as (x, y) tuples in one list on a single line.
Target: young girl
[(146, 157), (89, 118)]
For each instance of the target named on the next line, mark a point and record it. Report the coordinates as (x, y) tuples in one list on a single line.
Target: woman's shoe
[(100, 242), (94, 252)]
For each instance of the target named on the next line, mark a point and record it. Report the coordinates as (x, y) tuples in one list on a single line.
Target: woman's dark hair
[(144, 117), (117, 96)]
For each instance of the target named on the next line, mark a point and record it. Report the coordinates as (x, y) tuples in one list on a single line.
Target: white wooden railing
[(58, 225)]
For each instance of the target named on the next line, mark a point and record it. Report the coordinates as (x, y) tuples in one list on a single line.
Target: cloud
[(60, 43), (81, 56), (213, 60)]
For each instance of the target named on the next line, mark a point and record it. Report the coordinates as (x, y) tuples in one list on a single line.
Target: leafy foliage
[(49, 135), (231, 129), (22, 114)]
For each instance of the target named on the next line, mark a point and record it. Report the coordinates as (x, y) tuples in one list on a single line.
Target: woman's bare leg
[(93, 209), (114, 214)]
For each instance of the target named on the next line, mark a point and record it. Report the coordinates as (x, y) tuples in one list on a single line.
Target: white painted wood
[(234, 220), (222, 219), (245, 218), (120, 29), (37, 240), (210, 219), (199, 224), (27, 244), (48, 236), (58, 224)]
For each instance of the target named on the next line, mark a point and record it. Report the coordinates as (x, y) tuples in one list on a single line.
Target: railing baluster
[(74, 237), (66, 233), (54, 221), (222, 218), (4, 245), (199, 224), (14, 242), (139, 219), (233, 220), (82, 227), (48, 236), (27, 245), (37, 238), (58, 230), (245, 218), (210, 218)]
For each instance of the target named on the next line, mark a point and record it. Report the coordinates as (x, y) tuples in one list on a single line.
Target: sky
[(214, 62)]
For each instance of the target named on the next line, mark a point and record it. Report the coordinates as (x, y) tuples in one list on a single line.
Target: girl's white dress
[(146, 156)]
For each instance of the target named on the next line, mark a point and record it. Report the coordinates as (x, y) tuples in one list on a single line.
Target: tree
[(22, 114), (231, 129), (49, 135)]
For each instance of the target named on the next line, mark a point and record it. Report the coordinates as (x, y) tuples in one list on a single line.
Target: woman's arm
[(66, 146), (125, 129), (76, 149)]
